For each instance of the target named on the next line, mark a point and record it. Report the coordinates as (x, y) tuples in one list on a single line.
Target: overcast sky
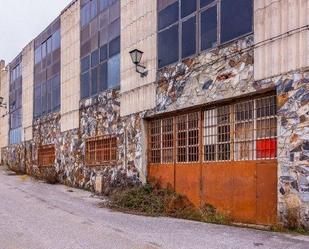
[(22, 20)]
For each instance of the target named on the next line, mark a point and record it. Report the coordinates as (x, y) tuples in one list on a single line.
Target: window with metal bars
[(101, 150), (244, 130), (175, 138), (46, 155)]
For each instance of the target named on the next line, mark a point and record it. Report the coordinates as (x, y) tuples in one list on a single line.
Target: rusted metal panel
[(187, 181), (244, 191), (217, 186), (266, 185), (162, 174)]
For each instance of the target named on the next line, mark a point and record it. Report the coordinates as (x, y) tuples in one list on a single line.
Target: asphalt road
[(35, 215)]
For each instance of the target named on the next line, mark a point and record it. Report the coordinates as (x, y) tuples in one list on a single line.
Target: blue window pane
[(44, 100), (49, 45), (168, 16), (56, 40), (114, 71), (103, 4), (187, 7), (95, 58), (102, 77), (114, 47), (168, 46), (85, 14), (44, 50), (15, 119), (206, 2), (103, 53), (209, 28), (49, 95), (85, 89), (37, 55), (94, 81), (189, 37), (93, 8), (15, 136), (85, 64), (37, 100), (236, 19), (56, 92)]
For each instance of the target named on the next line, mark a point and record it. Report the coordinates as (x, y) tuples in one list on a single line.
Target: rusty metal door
[(245, 191)]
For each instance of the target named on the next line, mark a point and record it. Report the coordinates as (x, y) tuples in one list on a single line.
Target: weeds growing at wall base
[(153, 201)]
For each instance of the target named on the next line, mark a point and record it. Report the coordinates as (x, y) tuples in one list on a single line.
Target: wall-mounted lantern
[(136, 57)]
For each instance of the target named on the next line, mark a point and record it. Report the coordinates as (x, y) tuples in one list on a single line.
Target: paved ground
[(34, 215)]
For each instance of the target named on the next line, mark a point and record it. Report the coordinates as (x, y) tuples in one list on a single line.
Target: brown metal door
[(245, 191), (266, 194)]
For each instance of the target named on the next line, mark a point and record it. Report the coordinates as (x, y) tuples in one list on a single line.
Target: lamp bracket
[(141, 70)]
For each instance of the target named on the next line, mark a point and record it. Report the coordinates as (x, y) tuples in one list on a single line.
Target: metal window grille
[(245, 130), (46, 155), (101, 150), (187, 128), (162, 140), (175, 137)]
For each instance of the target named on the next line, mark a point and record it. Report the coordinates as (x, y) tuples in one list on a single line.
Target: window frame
[(15, 102), (99, 48), (197, 13), (46, 153), (47, 72), (211, 133), (111, 140)]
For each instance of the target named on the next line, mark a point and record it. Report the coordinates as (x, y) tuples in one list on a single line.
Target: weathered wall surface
[(98, 116), (219, 74), (274, 18), (138, 31), (27, 93), (70, 67), (293, 147), (4, 92)]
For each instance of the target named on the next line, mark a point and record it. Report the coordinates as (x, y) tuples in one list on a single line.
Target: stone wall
[(217, 75), (293, 147), (227, 73), (98, 116)]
